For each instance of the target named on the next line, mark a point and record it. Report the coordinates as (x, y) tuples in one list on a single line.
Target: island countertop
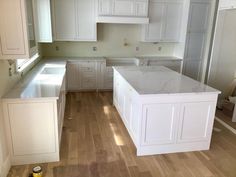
[(161, 80)]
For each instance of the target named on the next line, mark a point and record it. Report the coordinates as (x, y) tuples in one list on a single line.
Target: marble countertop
[(43, 81), (161, 80)]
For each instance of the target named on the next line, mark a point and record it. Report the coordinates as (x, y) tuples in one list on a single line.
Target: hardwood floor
[(95, 143), (225, 118)]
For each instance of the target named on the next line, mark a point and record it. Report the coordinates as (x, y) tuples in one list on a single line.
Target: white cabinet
[(88, 75), (84, 75), (137, 8), (74, 20), (161, 124), (17, 31), (123, 11), (34, 128), (165, 22), (106, 77), (227, 4), (43, 21), (72, 70)]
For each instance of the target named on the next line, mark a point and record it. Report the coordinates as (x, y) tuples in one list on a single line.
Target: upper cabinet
[(17, 30), (74, 20), (123, 11), (43, 21), (165, 22), (227, 4)]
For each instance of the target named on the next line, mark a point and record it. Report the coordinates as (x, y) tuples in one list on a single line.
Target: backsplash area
[(113, 40)]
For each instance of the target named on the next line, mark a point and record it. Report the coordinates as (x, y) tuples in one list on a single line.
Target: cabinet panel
[(195, 122), (165, 22), (41, 125), (105, 7), (123, 7), (44, 22), (159, 123), (86, 20), (172, 22), (12, 27), (73, 82), (153, 31), (65, 20), (141, 9)]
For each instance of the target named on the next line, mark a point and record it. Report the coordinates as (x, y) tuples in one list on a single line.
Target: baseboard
[(5, 167), (226, 125)]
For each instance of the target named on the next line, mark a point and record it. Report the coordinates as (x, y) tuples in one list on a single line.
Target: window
[(21, 64)]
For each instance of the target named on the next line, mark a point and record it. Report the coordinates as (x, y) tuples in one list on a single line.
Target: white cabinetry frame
[(165, 22), (74, 20), (161, 124), (17, 30), (34, 128)]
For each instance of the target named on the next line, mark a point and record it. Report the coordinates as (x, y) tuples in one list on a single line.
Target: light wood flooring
[(225, 118), (95, 143)]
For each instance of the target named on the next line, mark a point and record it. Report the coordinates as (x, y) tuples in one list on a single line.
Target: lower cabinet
[(165, 124), (34, 128), (89, 75)]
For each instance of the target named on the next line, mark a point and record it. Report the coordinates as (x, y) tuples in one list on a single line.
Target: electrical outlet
[(57, 48), (159, 48), (94, 49)]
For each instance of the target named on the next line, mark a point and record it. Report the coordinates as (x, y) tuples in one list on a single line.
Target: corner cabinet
[(165, 22), (74, 20), (17, 31)]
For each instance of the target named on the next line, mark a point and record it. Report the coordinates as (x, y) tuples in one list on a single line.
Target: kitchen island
[(164, 111)]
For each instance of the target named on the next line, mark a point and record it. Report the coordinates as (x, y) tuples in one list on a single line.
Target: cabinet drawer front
[(88, 83), (88, 64), (87, 69)]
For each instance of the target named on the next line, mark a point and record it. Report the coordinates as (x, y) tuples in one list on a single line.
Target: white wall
[(111, 39), (223, 62)]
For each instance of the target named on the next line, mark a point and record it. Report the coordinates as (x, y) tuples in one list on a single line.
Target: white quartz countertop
[(43, 81), (161, 80)]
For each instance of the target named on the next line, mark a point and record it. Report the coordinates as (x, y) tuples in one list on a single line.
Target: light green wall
[(111, 39)]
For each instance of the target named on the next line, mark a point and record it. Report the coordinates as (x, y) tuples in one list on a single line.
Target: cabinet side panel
[(36, 118)]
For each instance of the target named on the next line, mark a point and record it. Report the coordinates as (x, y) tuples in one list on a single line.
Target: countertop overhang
[(150, 80)]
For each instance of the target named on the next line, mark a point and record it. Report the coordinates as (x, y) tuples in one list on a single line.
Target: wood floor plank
[(95, 143)]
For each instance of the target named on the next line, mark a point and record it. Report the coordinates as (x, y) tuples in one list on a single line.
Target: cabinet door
[(24, 117), (65, 20), (73, 82), (87, 28), (104, 7), (123, 7), (12, 28), (196, 122), (44, 23), (141, 8), (173, 16), (153, 31), (159, 125), (127, 105)]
